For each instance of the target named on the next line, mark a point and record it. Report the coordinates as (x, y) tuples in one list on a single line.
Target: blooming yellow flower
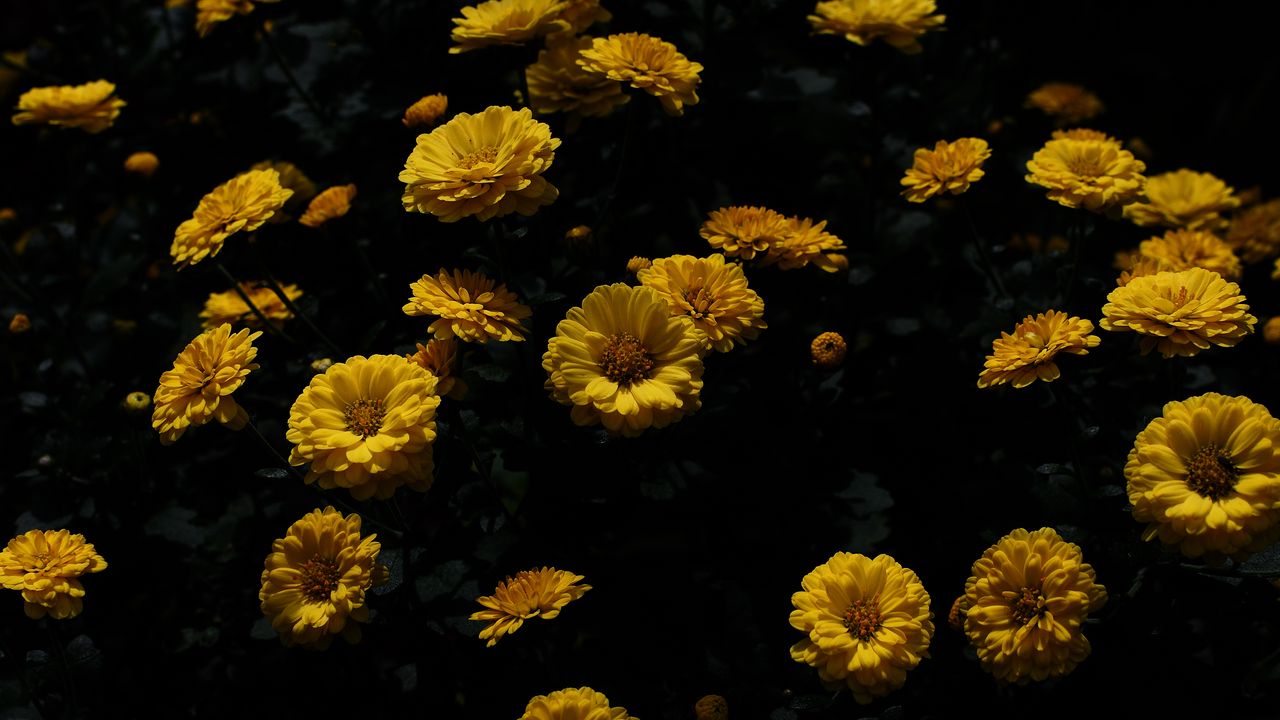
[(488, 164), (367, 425), (229, 308), (315, 579), (1028, 597), (1139, 265), (243, 203), (1205, 476), (745, 232), (1185, 249), (582, 14), (438, 358), (291, 178), (1084, 134), (426, 111), (647, 63), (1184, 199), (1255, 231), (573, 704), (711, 707), (622, 360), (137, 401), (530, 594), (807, 242), (198, 388), (142, 163), (1028, 354), (1065, 102), (469, 307), (712, 293), (558, 84), (948, 167), (866, 623), (637, 263), (899, 22), (506, 22), (209, 13), (45, 565), (329, 205), (92, 107), (1097, 175), (1179, 313), (19, 323), (828, 350)]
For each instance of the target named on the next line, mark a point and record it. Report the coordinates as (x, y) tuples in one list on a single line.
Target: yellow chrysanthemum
[(142, 163), (469, 306), (506, 22), (1179, 313), (1028, 354), (1205, 476), (1065, 102), (1084, 134), (229, 308), (367, 425), (1185, 249), (866, 623), (1028, 597), (804, 243), (243, 203), (45, 566), (1184, 199), (558, 84), (1097, 175), (92, 107), (573, 704), (199, 387), (291, 178), (712, 293), (329, 205), (487, 165), (947, 168), (745, 232), (647, 63), (899, 22), (1138, 265), (209, 13), (315, 579), (1255, 231), (827, 350), (582, 14), (426, 111), (622, 360), (638, 263), (711, 707), (530, 594), (438, 358)]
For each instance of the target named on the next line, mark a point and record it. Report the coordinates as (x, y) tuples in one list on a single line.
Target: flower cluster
[(769, 238)]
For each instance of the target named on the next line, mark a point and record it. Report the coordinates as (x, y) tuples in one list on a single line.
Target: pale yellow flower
[(1184, 199), (92, 107)]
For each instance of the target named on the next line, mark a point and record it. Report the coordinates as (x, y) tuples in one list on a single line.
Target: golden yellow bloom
[(229, 308), (315, 579), (506, 22), (573, 704), (1205, 476), (558, 84), (142, 163), (137, 401), (198, 388), (866, 623), (243, 203), (1271, 331), (899, 22), (1138, 265), (367, 425), (488, 164), (426, 111), (291, 178), (712, 293), (744, 232), (1028, 596), (92, 107), (647, 63), (1083, 134), (1097, 175), (1179, 313), (1185, 249), (530, 594), (329, 205), (1255, 231), (438, 357), (1028, 354), (622, 360), (1065, 102), (807, 242), (45, 565), (469, 307), (582, 14), (1184, 199), (828, 350), (19, 323), (948, 167), (637, 263), (711, 707)]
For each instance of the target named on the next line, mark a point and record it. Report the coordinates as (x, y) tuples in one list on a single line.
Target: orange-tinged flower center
[(1181, 299), (1210, 473), (863, 619), (1028, 606), (319, 578), (624, 359), (483, 155), (699, 300), (364, 417)]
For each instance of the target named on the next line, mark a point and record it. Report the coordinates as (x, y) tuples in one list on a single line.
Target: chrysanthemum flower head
[(1083, 134), (582, 14), (242, 204), (315, 579), (899, 22), (426, 111), (229, 308), (368, 425), (646, 63), (573, 704), (1185, 249), (558, 84), (199, 387), (487, 165), (866, 623), (291, 178), (469, 305), (1028, 354), (947, 168), (712, 293), (1098, 175), (209, 13), (1255, 231), (1028, 597), (805, 243), (1184, 199), (1179, 313), (744, 231), (1065, 102), (45, 566), (638, 263), (438, 357), (530, 594), (92, 107), (624, 361), (827, 350), (329, 205), (506, 22), (142, 163), (1205, 476)]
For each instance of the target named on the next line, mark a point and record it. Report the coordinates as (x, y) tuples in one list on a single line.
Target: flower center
[(624, 359), (1211, 474), (364, 417), (319, 578), (862, 618), (1028, 606), (1181, 298), (483, 155), (699, 301)]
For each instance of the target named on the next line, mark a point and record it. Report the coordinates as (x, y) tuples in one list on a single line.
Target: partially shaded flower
[(426, 111), (1179, 313), (137, 401), (142, 163), (805, 243), (198, 388), (229, 308), (507, 22), (827, 350), (468, 306), (637, 263), (582, 14), (1184, 199), (573, 704), (1271, 331), (1028, 354), (947, 168), (1084, 134), (329, 205), (209, 13), (19, 323), (242, 204), (646, 63), (438, 357), (45, 565), (745, 232), (1255, 231), (711, 707), (1065, 102), (899, 22), (530, 594), (558, 84), (92, 107), (1185, 249), (291, 178), (712, 293), (1097, 175)]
